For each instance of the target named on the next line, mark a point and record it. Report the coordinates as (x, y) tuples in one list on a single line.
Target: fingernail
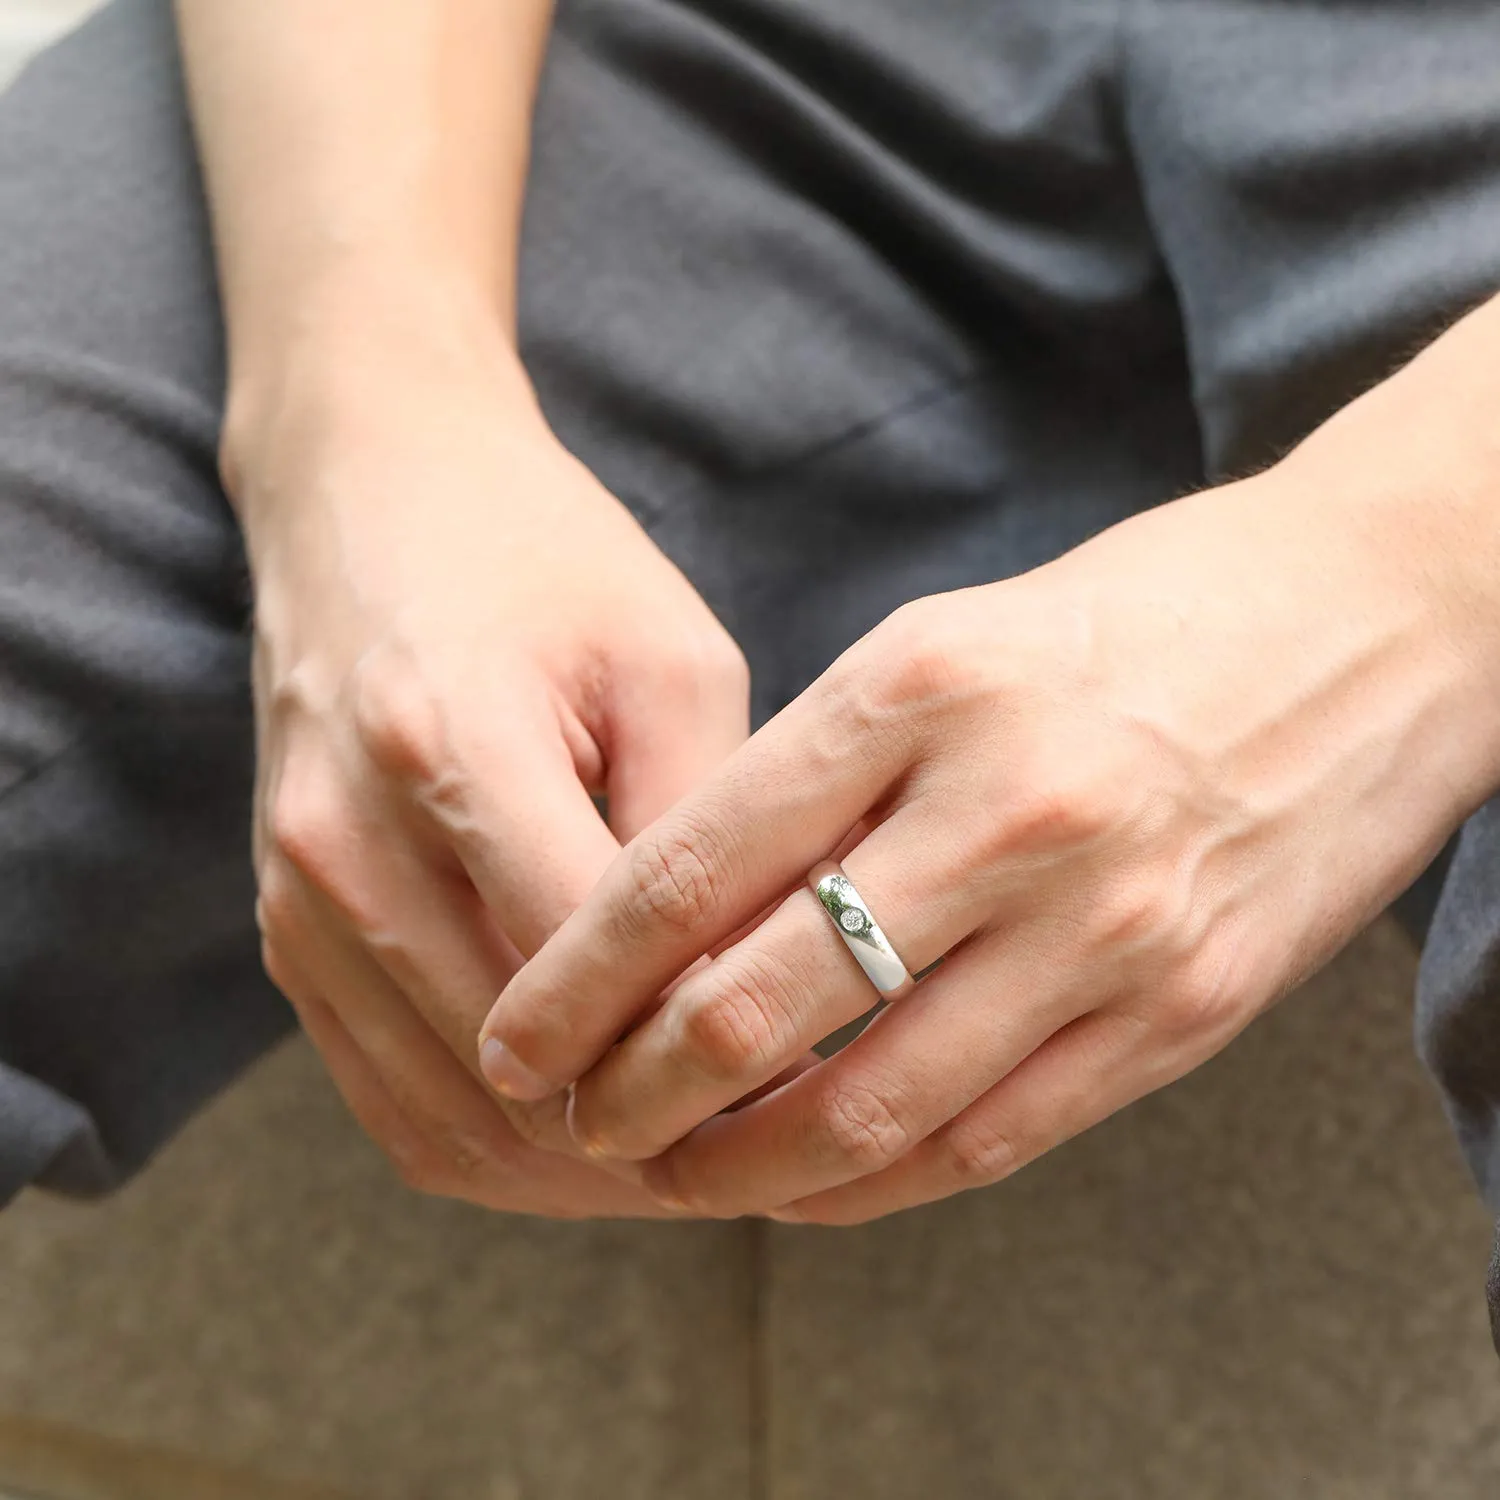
[(784, 1215), (509, 1076), (657, 1182), (591, 1146)]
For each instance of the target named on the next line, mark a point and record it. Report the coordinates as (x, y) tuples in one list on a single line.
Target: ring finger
[(986, 1010), (755, 1009)]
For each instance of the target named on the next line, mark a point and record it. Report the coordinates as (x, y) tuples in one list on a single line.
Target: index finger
[(500, 785), (694, 877)]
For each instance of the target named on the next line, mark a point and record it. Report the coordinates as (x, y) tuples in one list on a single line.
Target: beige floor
[(1263, 1284)]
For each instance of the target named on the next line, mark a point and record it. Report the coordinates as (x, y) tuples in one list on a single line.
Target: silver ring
[(860, 931)]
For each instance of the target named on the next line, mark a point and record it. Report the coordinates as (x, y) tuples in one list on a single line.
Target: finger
[(791, 982), (445, 1135), (780, 804), (1081, 1076), (432, 1089), (511, 805), (533, 843), (366, 1097), (667, 736), (385, 873), (424, 924), (546, 1126), (971, 1023), (376, 875), (351, 983)]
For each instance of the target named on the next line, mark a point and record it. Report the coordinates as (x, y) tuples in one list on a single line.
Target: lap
[(1323, 182), (850, 302), (128, 987)]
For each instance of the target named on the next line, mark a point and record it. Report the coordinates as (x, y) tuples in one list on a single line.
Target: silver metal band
[(860, 931)]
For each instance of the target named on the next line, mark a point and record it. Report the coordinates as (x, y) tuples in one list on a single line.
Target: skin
[(1130, 799), (460, 636)]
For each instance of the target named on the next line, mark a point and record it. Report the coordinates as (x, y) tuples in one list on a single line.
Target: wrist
[(342, 356), (1404, 488)]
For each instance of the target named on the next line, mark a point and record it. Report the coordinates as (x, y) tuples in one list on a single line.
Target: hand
[(1129, 799), (461, 639)]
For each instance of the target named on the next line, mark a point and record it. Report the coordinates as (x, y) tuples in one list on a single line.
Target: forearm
[(365, 163)]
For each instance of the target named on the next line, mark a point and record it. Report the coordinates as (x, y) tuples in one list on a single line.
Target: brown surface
[(1261, 1285), (42, 1458), (268, 1297)]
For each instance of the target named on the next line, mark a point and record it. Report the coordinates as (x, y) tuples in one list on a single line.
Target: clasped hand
[(1128, 800)]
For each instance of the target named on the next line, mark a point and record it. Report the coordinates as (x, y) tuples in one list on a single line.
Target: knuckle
[(459, 1152), (273, 962), (979, 1152), (1060, 814), (886, 687), (1192, 1004), (312, 840), (709, 656), (908, 629), (305, 829), (924, 658), (443, 1161), (276, 905), (862, 1128), (732, 1031), (469, 1161), (396, 718), (728, 663), (673, 880), (863, 710)]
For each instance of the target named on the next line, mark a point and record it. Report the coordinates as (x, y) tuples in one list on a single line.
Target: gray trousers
[(850, 301)]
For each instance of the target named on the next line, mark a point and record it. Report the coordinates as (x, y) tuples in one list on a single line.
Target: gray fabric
[(879, 297)]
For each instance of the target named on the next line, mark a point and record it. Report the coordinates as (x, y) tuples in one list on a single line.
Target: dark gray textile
[(883, 297)]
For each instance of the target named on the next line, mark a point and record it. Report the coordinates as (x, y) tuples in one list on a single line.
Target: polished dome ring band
[(860, 931)]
